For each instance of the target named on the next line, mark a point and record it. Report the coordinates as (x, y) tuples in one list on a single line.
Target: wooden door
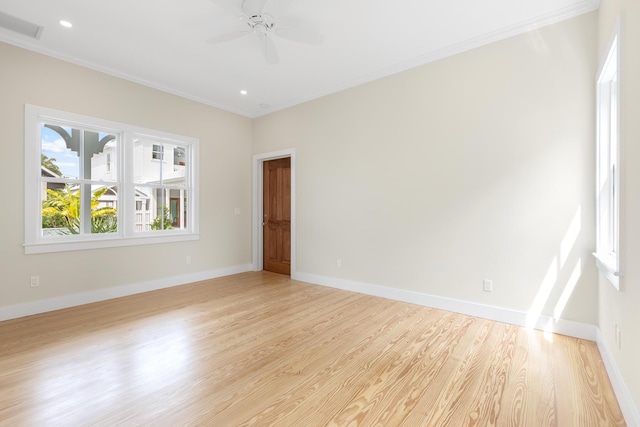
[(276, 223)]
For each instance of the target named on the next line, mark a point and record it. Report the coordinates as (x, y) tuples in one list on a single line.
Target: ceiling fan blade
[(269, 50), (253, 7), (299, 35), (228, 36)]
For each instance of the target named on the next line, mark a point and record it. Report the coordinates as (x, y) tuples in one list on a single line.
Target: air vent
[(20, 26)]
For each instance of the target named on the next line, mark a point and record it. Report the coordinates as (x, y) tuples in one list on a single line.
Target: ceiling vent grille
[(20, 26)]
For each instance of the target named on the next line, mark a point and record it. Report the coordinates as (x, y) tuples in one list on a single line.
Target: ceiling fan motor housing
[(260, 24)]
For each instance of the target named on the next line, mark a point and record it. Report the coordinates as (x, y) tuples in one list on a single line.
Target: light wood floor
[(260, 349)]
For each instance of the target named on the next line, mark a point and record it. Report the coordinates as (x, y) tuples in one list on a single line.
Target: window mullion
[(85, 188), (126, 215)]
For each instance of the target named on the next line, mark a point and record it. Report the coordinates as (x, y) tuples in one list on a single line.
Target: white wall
[(624, 307), (478, 166), (225, 183)]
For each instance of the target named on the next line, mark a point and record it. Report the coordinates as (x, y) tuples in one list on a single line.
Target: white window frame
[(126, 234), (608, 147)]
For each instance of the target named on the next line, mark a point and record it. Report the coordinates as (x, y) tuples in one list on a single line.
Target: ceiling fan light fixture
[(264, 26)]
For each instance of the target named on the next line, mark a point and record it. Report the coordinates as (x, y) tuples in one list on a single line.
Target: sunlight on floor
[(156, 353)]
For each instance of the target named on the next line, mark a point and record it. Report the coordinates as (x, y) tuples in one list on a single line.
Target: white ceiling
[(163, 43)]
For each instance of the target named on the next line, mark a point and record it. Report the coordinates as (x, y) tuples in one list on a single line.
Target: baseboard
[(51, 304), (544, 323), (625, 400)]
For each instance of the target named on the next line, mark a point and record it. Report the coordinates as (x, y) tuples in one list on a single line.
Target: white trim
[(609, 271), (623, 395), (258, 160), (519, 318), (73, 300), (57, 246)]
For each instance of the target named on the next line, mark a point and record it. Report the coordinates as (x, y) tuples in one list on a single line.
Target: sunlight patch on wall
[(568, 290), (551, 278), (569, 240), (542, 297)]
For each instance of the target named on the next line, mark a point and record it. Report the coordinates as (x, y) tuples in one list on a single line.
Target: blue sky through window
[(54, 147)]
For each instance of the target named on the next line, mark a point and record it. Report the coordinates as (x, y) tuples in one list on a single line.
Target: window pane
[(104, 212), (148, 161), (59, 156), (155, 209), (61, 210), (157, 152), (178, 208), (67, 152), (162, 219), (176, 175), (143, 217), (100, 152), (159, 163)]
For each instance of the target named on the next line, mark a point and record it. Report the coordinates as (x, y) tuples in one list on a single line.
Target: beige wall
[(624, 307), (469, 168), (225, 180)]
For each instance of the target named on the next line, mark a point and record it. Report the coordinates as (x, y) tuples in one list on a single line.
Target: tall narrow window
[(608, 169)]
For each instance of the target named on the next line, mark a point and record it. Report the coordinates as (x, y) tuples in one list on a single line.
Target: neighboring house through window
[(94, 183), (158, 152)]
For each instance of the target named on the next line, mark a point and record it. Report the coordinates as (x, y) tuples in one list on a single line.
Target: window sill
[(58, 246), (609, 270)]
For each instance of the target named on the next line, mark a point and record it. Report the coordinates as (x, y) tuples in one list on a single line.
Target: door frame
[(258, 186)]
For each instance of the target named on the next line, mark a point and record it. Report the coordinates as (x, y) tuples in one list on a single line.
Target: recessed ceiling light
[(66, 24), (243, 92)]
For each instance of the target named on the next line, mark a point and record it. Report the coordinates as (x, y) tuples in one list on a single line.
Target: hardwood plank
[(259, 349)]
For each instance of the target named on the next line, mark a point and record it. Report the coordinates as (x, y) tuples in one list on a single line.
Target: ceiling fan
[(263, 24)]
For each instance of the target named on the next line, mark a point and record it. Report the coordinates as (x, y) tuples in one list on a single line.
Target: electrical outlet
[(487, 285), (188, 259), (339, 263), (618, 337), (35, 281)]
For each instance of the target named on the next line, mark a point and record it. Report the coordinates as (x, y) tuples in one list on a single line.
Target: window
[(158, 152), (608, 170), (92, 183)]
